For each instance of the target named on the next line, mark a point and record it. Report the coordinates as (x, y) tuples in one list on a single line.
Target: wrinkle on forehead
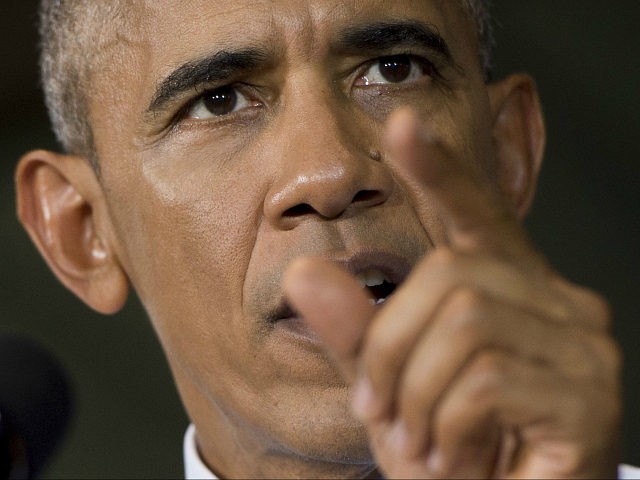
[(235, 20), (151, 23), (152, 37), (108, 27)]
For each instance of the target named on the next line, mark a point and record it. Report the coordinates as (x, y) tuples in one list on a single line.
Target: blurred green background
[(129, 422)]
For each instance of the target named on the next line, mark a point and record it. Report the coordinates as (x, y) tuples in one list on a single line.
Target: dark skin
[(498, 401), (244, 226)]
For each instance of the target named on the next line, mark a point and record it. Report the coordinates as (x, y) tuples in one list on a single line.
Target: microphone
[(35, 406)]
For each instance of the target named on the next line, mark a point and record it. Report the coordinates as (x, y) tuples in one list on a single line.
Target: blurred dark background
[(129, 422)]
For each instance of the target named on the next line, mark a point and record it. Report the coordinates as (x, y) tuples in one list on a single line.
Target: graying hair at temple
[(71, 30)]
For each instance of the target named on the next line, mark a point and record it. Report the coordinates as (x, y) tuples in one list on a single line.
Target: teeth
[(373, 301), (372, 277)]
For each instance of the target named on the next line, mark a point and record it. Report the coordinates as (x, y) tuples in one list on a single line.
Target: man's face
[(236, 136)]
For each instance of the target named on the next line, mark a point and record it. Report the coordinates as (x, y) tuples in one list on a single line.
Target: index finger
[(474, 213)]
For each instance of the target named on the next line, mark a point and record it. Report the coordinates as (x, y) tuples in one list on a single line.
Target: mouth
[(380, 274), (379, 285)]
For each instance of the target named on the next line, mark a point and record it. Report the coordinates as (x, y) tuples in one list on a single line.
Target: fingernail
[(362, 403), (399, 438), (434, 462)]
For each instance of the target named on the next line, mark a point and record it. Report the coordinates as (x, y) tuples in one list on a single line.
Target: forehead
[(228, 16), (165, 34), (181, 29)]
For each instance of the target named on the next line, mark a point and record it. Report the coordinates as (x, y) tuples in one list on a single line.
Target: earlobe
[(518, 137), (60, 204)]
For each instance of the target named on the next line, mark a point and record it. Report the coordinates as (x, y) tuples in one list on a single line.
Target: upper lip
[(392, 266)]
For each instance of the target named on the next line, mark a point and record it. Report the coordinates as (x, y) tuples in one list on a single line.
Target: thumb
[(333, 304)]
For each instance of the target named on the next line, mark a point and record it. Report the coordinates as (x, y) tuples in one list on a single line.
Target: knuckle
[(594, 307), (442, 257), (610, 354), (601, 309), (466, 313), (591, 356), (486, 378), (468, 299), (575, 357)]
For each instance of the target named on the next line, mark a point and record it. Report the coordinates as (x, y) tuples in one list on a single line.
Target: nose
[(326, 168)]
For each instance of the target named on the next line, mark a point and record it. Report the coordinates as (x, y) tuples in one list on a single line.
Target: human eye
[(395, 69), (219, 102)]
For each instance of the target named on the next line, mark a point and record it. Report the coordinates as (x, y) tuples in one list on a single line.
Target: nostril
[(298, 210), (366, 196)]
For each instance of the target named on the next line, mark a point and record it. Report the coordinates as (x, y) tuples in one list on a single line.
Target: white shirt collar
[(194, 467), (627, 472)]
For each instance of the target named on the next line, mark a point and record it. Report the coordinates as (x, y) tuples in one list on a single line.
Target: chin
[(322, 430)]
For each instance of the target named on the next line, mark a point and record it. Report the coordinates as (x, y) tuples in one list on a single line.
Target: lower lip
[(298, 329)]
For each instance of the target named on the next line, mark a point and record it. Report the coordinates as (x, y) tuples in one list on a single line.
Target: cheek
[(188, 229), (462, 122)]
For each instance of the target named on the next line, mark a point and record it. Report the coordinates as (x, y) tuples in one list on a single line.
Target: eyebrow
[(386, 35), (225, 64), (217, 67)]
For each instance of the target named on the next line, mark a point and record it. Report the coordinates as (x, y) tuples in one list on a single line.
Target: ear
[(518, 137), (61, 205)]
